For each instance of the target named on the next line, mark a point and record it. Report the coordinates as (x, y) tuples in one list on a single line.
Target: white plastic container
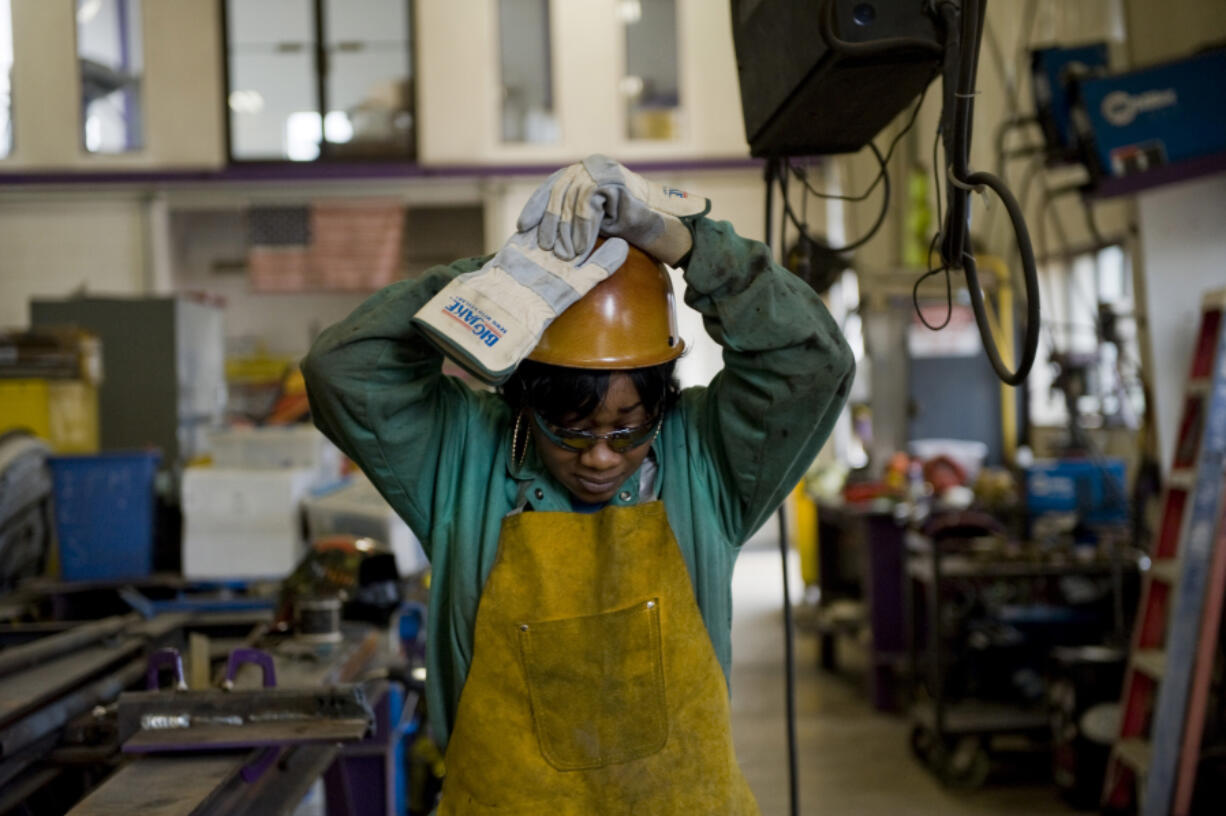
[(274, 447), (358, 509), (242, 523)]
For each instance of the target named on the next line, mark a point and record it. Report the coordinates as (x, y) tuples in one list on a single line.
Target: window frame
[(142, 143), (682, 136), (321, 60)]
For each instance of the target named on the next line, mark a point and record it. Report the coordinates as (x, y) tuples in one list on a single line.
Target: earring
[(515, 443)]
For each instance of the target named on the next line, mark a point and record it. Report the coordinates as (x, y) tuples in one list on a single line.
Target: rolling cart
[(953, 734)]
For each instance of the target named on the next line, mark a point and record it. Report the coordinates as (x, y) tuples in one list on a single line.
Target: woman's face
[(594, 475)]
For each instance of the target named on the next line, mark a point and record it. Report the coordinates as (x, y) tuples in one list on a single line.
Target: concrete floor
[(852, 761)]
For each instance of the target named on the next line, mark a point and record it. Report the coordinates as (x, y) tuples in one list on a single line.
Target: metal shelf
[(979, 717), (932, 571), (919, 567)]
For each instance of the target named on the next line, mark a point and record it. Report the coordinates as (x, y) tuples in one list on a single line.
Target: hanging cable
[(889, 153), (949, 289), (964, 29), (770, 172), (859, 242), (936, 178), (789, 650)]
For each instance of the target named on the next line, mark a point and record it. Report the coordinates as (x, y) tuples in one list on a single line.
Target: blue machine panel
[(1095, 490), (1133, 122), (1051, 71)]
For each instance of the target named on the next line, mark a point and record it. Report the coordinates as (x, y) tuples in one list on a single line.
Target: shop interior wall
[(181, 89), (109, 240), (122, 239), (1181, 244), (54, 246)]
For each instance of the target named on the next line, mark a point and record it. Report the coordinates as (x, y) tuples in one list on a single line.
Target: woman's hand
[(489, 320), (598, 195)]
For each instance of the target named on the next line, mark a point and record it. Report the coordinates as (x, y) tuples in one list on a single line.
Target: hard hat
[(628, 320)]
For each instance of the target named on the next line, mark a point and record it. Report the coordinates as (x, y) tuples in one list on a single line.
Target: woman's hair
[(561, 394)]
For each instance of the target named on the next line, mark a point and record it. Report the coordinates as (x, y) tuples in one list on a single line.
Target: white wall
[(1183, 254), (1173, 28), (56, 246)]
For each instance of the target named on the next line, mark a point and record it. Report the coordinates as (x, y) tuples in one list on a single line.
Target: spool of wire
[(318, 619)]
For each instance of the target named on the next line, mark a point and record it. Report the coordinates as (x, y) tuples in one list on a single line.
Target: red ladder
[(1153, 762)]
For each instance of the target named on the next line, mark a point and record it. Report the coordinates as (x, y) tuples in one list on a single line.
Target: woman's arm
[(377, 390), (787, 372)]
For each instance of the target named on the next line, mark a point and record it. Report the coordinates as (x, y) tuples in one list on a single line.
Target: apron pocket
[(597, 686)]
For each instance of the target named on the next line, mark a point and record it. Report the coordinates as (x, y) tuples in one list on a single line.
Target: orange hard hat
[(628, 320)]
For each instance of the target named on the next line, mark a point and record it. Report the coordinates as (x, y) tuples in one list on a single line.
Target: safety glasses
[(620, 441)]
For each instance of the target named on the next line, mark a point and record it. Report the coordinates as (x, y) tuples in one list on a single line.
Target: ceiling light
[(87, 10), (246, 101), (629, 11)]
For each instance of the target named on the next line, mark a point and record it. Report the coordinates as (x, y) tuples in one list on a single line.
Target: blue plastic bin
[(104, 514)]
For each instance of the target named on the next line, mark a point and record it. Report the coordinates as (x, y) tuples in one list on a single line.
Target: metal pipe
[(56, 715), (31, 654)]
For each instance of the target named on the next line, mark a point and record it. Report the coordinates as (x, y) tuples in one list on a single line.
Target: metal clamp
[(165, 659), (255, 769), (248, 655)]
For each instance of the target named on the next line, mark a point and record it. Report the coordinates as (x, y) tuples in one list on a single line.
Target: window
[(6, 78), (1090, 332), (527, 72), (110, 62), (369, 82), (649, 85), (331, 85)]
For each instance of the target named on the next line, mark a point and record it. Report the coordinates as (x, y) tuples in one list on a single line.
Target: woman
[(582, 524)]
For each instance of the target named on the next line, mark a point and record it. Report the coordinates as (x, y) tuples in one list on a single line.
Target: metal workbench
[(60, 736)]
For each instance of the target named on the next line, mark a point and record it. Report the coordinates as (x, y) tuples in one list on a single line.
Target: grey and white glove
[(489, 320), (598, 195)]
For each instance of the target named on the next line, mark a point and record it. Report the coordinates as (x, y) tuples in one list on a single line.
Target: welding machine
[(1052, 70), (1093, 489), (1170, 115), (821, 78)]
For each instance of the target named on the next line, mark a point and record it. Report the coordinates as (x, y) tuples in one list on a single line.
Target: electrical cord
[(964, 33), (936, 179), (884, 175), (889, 154), (789, 651), (770, 172), (949, 290)]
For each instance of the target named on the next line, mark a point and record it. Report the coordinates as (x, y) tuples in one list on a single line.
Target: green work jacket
[(726, 456)]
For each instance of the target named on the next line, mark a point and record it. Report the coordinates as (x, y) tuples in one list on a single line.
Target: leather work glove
[(598, 195), (489, 320)]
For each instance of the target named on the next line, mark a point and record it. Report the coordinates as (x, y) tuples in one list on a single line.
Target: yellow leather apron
[(594, 688)]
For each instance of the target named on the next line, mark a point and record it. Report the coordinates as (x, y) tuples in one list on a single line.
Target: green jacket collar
[(536, 487)]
